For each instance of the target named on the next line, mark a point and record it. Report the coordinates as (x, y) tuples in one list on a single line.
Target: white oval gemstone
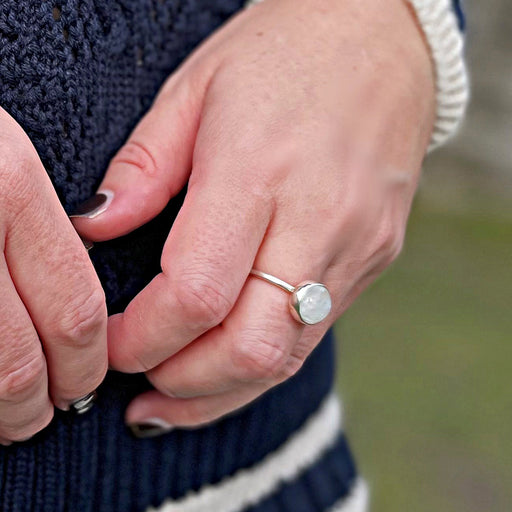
[(314, 303)]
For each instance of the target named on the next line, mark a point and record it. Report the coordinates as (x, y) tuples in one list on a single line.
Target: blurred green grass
[(425, 360)]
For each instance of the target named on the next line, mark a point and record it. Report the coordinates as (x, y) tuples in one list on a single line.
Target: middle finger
[(205, 262)]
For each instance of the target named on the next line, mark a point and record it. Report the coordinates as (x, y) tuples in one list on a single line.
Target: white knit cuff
[(439, 24)]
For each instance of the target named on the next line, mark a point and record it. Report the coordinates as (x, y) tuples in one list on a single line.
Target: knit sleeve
[(459, 11), (442, 22)]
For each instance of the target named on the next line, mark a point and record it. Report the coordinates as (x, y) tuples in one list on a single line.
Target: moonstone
[(314, 303)]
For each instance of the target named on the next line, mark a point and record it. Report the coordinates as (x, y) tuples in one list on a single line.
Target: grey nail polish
[(87, 244), (94, 206), (151, 427), (84, 404)]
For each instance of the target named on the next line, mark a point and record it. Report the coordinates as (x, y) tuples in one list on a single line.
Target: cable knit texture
[(78, 75)]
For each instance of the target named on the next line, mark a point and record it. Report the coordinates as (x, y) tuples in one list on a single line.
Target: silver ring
[(310, 302), (84, 404)]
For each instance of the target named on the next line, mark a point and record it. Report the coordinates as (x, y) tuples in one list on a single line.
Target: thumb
[(150, 169)]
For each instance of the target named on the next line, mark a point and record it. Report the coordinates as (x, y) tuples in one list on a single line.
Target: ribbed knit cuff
[(440, 26)]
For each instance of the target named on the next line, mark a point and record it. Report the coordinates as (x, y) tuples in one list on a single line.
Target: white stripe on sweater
[(356, 501), (249, 486), (439, 24)]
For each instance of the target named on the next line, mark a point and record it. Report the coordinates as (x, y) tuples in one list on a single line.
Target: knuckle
[(82, 318), (205, 302), (137, 154), (22, 378), (260, 357)]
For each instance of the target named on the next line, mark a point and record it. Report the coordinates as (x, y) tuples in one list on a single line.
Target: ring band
[(84, 404), (310, 302)]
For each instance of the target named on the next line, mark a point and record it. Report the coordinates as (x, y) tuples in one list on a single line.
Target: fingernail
[(82, 405), (87, 244), (150, 427), (94, 206)]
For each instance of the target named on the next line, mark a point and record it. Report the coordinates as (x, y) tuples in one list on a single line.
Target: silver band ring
[(84, 404), (310, 302)]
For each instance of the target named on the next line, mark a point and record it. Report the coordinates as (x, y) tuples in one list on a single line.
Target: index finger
[(205, 263)]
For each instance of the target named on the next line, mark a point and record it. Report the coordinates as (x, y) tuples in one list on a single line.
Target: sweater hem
[(249, 486)]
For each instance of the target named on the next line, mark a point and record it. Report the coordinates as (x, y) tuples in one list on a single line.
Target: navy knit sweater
[(78, 75)]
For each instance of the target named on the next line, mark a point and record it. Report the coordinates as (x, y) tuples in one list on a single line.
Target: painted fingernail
[(150, 427), (94, 206), (84, 404), (87, 244)]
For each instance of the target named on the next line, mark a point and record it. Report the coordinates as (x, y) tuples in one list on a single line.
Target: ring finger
[(258, 341)]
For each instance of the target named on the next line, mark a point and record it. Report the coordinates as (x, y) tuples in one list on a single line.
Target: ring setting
[(310, 302)]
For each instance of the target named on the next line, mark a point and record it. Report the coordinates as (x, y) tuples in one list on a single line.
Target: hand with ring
[(300, 128)]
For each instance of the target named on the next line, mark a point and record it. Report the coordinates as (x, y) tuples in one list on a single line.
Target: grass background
[(425, 355)]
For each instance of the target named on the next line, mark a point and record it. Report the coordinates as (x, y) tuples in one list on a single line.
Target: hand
[(53, 319), (301, 127)]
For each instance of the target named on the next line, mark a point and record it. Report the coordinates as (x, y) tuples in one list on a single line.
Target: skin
[(53, 319), (300, 128)]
